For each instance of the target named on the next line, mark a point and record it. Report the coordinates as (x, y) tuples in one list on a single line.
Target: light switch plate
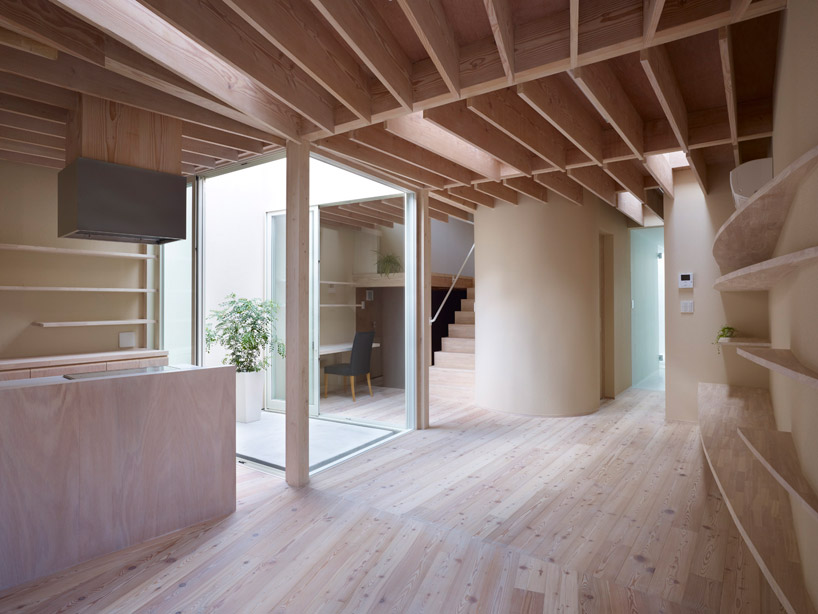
[(687, 306), (127, 340)]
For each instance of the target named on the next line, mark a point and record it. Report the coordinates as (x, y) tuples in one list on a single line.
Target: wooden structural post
[(297, 462), (423, 298)]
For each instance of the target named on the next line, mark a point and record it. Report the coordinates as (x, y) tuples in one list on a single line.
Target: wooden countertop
[(11, 364)]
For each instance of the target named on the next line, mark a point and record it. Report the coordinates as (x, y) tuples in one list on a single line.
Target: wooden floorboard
[(483, 512)]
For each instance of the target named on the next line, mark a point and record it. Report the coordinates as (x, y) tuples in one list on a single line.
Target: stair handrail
[(454, 281)]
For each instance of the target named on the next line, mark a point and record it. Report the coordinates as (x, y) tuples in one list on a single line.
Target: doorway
[(648, 308)]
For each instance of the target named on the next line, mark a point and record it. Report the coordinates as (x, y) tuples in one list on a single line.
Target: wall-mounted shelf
[(745, 342), (750, 235), (759, 505), (357, 305), (91, 323), (65, 251), (337, 283), (765, 275), (781, 361), (375, 280), (776, 451), (64, 289)]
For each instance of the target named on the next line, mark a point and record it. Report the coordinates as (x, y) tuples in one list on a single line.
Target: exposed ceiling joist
[(596, 181), (15, 40), (628, 175), (498, 191), (562, 184), (35, 138), (656, 64), (469, 193), (529, 187), (502, 28), (432, 27), (729, 78)]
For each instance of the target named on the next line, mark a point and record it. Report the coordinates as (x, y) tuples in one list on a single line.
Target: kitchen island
[(95, 464)]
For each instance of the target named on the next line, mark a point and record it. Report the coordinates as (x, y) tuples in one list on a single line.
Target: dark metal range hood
[(112, 202)]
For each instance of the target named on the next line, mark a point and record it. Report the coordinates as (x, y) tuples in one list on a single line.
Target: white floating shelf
[(765, 275), (358, 305), (65, 251), (338, 283), (750, 235), (781, 361), (91, 323), (63, 289), (745, 342)]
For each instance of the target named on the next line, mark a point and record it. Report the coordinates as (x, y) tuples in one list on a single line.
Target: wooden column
[(423, 297), (297, 463)]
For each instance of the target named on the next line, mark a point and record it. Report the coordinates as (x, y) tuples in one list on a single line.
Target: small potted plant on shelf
[(725, 332), (388, 264), (246, 328)]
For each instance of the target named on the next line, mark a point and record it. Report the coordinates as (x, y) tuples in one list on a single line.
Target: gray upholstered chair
[(358, 363)]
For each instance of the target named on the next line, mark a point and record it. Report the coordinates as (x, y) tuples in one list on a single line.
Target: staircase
[(452, 375)]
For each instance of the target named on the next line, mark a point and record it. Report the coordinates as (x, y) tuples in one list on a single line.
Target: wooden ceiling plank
[(348, 148), (363, 29), (388, 144), (15, 40), (498, 191), (660, 169), (35, 138), (31, 124), (596, 181), (222, 138), (432, 27), (225, 34), (293, 27), (729, 78), (552, 99), (458, 120), (31, 108), (32, 149), (198, 159), (54, 27), (469, 193), (738, 8), (562, 184), (573, 31), (455, 201), (630, 206), (146, 32), (449, 210), (209, 149), (651, 15), (603, 89), (417, 130), (75, 74), (438, 215), (41, 92), (364, 217), (502, 29), (373, 208), (344, 220), (656, 63), (22, 158), (628, 175), (698, 165), (509, 113), (529, 187)]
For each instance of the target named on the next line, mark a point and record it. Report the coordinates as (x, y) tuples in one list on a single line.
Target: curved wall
[(537, 308)]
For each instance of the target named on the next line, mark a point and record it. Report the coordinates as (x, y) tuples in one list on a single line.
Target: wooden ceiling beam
[(146, 32), (596, 181), (573, 32), (502, 29), (498, 191), (293, 27), (630, 206), (698, 165), (350, 149), (209, 149), (354, 214), (363, 29), (198, 159), (448, 210), (554, 99), (628, 175), (343, 220), (656, 64), (475, 196), (739, 7), (509, 113), (432, 27), (222, 138), (226, 35), (35, 138), (22, 158), (562, 184), (15, 40), (75, 74), (31, 124), (659, 168), (529, 187), (32, 149), (455, 201), (603, 89), (30, 108), (459, 121), (427, 135), (378, 138), (729, 78), (28, 89), (373, 208), (651, 15)]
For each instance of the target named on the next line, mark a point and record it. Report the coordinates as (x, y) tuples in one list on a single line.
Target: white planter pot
[(249, 396)]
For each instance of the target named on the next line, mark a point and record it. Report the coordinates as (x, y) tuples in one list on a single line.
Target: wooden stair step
[(465, 331), (454, 360), (458, 344), (441, 376), (470, 293), (467, 304), (464, 317)]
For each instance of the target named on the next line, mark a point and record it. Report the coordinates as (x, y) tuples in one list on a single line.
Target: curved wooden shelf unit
[(750, 235), (765, 275), (65, 251), (744, 342), (68, 289), (776, 451), (758, 503), (91, 323), (781, 361)]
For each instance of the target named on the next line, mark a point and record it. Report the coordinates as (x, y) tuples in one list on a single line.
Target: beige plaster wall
[(691, 222), (28, 216), (537, 311)]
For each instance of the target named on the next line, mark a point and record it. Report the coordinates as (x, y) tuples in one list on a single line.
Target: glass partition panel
[(177, 293)]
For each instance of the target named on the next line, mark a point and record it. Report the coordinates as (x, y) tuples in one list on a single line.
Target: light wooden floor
[(485, 512), (386, 406)]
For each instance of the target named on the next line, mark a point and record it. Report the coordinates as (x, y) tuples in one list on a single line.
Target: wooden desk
[(339, 348)]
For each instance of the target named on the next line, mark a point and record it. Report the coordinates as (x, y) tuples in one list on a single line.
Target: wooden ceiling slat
[(562, 184), (628, 175), (32, 149), (35, 138), (660, 169), (356, 214), (32, 124), (729, 78), (502, 28), (220, 137), (198, 159), (209, 149), (447, 209), (650, 17), (31, 108), (498, 191), (378, 210), (529, 187), (41, 92), (469, 193), (432, 27), (455, 201), (596, 181), (22, 158), (10, 38)]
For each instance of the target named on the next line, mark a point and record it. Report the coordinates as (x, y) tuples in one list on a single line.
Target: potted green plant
[(387, 264), (725, 332), (246, 328)]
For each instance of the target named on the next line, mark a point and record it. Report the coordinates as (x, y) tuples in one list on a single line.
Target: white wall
[(450, 243)]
